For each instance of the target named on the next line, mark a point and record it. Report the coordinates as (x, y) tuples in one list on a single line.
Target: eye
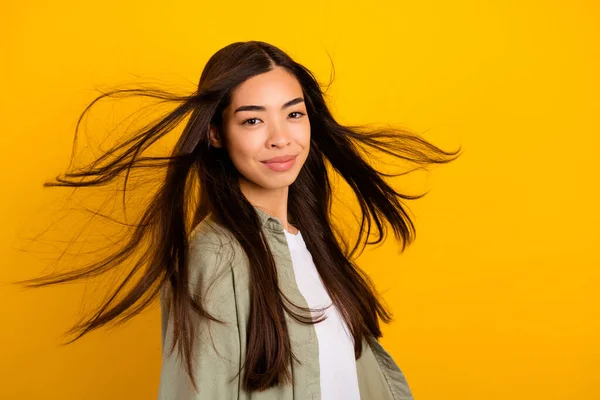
[(250, 119), (300, 114)]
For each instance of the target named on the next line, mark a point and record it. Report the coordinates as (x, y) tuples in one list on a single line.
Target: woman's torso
[(220, 349)]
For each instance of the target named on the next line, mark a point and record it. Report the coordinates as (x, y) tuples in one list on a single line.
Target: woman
[(259, 295)]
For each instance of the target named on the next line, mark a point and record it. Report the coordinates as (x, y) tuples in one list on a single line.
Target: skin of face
[(252, 136)]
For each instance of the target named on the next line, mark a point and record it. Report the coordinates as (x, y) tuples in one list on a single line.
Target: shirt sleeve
[(216, 350), (393, 375)]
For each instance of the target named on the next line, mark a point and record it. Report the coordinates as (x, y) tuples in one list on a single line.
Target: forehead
[(274, 88)]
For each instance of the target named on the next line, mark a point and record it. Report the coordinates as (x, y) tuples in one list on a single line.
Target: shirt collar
[(269, 221)]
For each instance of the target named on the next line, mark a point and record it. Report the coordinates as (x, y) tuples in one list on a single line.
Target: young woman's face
[(267, 118)]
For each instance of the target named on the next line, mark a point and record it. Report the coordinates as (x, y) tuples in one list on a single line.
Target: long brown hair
[(200, 179)]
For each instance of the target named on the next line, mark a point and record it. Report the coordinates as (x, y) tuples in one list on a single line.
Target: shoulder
[(210, 258), (209, 233)]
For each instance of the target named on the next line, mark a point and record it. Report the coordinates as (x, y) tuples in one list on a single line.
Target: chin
[(274, 183)]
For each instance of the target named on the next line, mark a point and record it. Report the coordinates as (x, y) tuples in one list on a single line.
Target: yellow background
[(497, 298)]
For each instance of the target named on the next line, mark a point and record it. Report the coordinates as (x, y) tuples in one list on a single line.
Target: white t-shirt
[(336, 344)]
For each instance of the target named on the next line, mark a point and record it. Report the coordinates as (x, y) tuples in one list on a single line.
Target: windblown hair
[(200, 179)]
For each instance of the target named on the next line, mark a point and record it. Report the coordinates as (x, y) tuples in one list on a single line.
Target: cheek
[(243, 150), (301, 133), (306, 138)]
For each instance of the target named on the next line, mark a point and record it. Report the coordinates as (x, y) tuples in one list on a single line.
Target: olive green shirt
[(219, 270)]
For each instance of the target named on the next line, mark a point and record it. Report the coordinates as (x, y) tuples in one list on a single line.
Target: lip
[(280, 166), (279, 159)]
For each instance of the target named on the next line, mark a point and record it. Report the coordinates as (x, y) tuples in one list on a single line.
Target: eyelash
[(293, 112)]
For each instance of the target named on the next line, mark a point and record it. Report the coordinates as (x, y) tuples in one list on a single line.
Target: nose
[(278, 136)]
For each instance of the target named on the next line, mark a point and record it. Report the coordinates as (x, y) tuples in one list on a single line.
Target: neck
[(271, 201)]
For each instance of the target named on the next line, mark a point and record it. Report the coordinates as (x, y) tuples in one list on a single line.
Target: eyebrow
[(262, 108)]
